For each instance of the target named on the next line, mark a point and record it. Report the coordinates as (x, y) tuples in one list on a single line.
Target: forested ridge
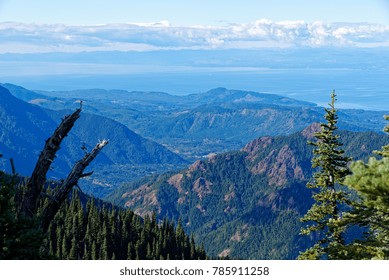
[(90, 229), (40, 221), (251, 203), (248, 203), (98, 230)]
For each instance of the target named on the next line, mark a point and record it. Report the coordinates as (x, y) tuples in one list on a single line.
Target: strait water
[(362, 89)]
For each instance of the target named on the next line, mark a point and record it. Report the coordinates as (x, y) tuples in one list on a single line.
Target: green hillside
[(244, 204), (196, 125)]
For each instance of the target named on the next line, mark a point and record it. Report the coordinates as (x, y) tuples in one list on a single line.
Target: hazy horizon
[(302, 49)]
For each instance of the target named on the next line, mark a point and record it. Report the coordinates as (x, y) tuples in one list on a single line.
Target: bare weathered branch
[(86, 174), (49, 197), (11, 160), (38, 178), (63, 191)]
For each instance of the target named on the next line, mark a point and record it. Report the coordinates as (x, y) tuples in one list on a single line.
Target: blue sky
[(78, 26), (199, 12), (125, 25)]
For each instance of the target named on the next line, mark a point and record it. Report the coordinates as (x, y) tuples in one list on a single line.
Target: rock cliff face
[(146, 196), (284, 163), (280, 166), (256, 145), (202, 187), (247, 203), (310, 131)]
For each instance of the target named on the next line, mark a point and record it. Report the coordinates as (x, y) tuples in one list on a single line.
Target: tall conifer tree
[(20, 238), (371, 182), (331, 166)]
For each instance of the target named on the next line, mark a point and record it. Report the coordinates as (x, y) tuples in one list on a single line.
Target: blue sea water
[(356, 88)]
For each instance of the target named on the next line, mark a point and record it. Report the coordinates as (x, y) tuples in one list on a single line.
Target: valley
[(231, 166), (196, 125)]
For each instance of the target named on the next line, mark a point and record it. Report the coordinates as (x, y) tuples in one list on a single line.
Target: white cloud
[(21, 37)]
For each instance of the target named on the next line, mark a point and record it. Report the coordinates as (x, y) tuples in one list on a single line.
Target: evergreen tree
[(95, 253), (385, 150), (73, 253), (371, 182), (332, 168), (20, 238), (91, 230)]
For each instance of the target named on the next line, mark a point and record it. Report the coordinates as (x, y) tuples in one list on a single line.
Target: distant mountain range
[(24, 127), (196, 125), (244, 204)]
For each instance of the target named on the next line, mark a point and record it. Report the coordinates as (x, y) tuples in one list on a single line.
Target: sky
[(78, 26), (125, 25), (199, 12)]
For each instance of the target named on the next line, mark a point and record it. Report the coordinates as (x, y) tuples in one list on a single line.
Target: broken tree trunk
[(63, 191), (38, 178)]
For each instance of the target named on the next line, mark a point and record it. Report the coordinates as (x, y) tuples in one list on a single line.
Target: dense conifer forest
[(90, 229), (102, 231)]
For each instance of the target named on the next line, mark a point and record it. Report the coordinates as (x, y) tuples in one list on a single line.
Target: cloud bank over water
[(38, 38)]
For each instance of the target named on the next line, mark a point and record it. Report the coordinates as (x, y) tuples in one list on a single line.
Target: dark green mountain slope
[(87, 228), (25, 127), (96, 230), (244, 204)]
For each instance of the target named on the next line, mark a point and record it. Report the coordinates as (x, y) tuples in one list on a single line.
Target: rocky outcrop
[(280, 166), (309, 132), (176, 181), (256, 145), (146, 197), (202, 187)]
